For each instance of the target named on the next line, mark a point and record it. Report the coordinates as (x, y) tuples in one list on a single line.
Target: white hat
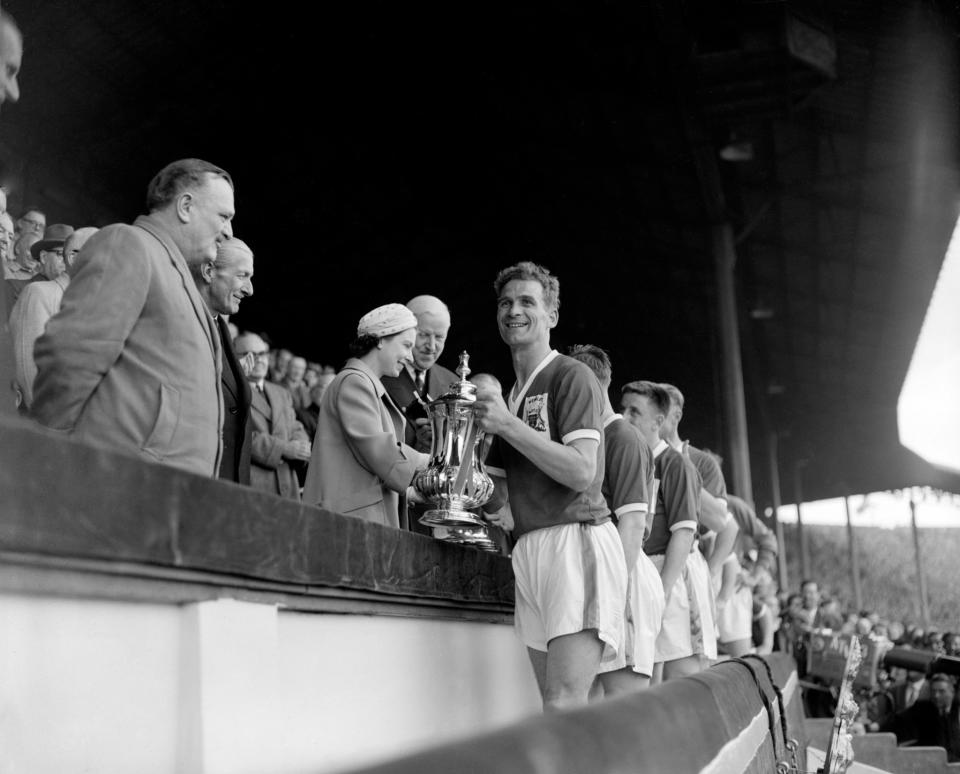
[(386, 320)]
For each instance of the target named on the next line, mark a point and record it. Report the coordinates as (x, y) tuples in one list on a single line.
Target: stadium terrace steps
[(880, 750)]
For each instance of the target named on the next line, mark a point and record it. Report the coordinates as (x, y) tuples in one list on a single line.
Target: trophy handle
[(466, 464)]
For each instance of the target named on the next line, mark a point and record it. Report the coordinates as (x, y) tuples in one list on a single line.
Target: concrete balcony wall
[(228, 686), (155, 621)]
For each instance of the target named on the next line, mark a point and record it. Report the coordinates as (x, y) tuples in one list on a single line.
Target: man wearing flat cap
[(39, 301)]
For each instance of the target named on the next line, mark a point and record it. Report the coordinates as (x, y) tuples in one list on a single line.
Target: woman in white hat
[(360, 465)]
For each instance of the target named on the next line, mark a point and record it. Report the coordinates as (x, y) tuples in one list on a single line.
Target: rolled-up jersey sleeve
[(578, 406), (626, 485)]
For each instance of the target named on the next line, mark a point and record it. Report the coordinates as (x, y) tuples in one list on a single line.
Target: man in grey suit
[(132, 361), (425, 378), (278, 437)]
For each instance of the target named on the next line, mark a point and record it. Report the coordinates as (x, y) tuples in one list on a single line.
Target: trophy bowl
[(454, 481)]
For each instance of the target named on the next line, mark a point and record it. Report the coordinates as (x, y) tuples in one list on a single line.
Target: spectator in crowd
[(810, 607), (48, 252), (278, 438), (223, 283), (421, 380), (549, 451), (933, 722), (909, 689), (360, 464), (628, 485), (10, 265), (38, 302), (23, 268), (11, 54), (132, 361), (293, 381), (951, 644), (311, 374), (278, 371), (33, 221), (309, 414), (687, 639)]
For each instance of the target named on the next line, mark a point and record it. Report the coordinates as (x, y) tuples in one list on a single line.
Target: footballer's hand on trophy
[(491, 411), (502, 518), (424, 430)]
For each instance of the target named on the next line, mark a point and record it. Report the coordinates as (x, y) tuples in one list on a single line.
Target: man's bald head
[(433, 324), (428, 305), (74, 245)]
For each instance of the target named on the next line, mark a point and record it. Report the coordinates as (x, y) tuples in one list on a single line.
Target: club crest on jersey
[(535, 412)]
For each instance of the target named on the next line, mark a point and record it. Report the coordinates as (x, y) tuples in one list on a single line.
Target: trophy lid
[(462, 389)]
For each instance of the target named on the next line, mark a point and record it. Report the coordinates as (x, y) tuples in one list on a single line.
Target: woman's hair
[(361, 345)]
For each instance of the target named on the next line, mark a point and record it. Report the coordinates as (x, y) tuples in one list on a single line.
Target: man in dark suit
[(223, 283), (933, 722), (424, 378)]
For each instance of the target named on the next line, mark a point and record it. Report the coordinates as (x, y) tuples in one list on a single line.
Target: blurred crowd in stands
[(921, 708)]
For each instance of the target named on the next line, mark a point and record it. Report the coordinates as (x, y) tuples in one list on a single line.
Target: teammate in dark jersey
[(714, 517), (628, 486), (687, 638)]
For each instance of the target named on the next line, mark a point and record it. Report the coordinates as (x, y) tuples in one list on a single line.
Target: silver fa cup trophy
[(455, 480)]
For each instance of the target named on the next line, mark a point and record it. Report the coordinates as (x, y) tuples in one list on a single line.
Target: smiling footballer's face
[(522, 314)]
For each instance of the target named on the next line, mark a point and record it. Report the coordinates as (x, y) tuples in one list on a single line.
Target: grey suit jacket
[(274, 426), (132, 361), (358, 465)]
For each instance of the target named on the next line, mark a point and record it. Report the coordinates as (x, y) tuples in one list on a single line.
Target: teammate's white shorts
[(735, 616), (570, 577), (644, 615), (688, 625)]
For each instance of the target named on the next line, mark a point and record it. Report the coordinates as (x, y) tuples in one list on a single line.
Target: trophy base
[(448, 517), (475, 537)]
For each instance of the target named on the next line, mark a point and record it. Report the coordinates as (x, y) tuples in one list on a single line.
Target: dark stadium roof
[(381, 150)]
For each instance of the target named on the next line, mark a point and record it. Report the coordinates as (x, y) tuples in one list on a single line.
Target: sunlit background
[(928, 411)]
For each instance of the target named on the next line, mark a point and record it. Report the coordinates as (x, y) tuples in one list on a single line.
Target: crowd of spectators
[(920, 708)]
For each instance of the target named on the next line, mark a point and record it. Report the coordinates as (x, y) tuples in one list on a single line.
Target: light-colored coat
[(358, 466), (38, 302), (132, 361), (274, 427)]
